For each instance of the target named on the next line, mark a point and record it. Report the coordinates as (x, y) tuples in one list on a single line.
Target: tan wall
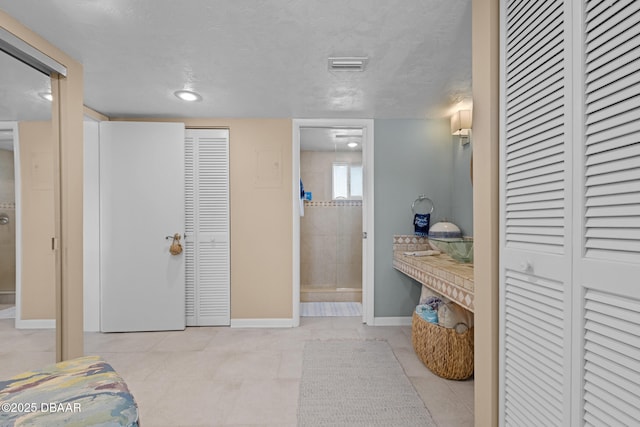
[(71, 130), (486, 137), (38, 220), (67, 117), (7, 231), (261, 192)]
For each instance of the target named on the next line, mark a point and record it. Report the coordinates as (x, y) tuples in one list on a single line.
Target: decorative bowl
[(459, 249), (444, 230)]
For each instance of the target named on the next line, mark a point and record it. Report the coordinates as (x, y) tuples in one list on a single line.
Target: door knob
[(526, 266), (176, 247)]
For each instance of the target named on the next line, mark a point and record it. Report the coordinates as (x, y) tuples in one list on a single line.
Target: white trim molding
[(36, 324), (392, 321), (261, 323)]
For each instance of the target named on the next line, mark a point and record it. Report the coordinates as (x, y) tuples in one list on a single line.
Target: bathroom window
[(347, 181)]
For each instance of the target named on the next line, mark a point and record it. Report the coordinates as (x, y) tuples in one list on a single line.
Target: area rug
[(357, 383), (326, 309)]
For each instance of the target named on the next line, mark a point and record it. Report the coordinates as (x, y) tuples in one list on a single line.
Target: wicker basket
[(445, 352)]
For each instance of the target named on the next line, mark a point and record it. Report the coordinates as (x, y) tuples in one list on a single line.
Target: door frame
[(367, 211)]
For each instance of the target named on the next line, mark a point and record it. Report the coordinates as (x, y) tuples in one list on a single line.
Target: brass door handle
[(176, 247)]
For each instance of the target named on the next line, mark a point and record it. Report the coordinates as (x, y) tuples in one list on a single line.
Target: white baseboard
[(261, 323), (36, 324), (288, 323), (392, 321)]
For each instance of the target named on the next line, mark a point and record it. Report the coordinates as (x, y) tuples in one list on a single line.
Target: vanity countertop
[(440, 273)]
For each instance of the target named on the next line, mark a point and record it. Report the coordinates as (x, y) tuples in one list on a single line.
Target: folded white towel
[(422, 253)]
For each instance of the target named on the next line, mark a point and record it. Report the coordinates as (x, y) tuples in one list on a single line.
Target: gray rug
[(357, 383)]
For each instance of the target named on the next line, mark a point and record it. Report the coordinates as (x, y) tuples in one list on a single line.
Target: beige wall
[(261, 192), (7, 231), (67, 110), (38, 220), (261, 218), (485, 75)]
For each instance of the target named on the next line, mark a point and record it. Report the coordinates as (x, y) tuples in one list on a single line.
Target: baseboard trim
[(261, 323), (392, 321), (36, 324)]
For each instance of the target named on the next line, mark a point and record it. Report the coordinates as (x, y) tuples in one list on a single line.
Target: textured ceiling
[(263, 58)]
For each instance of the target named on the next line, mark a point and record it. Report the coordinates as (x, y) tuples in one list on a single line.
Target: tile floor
[(231, 377)]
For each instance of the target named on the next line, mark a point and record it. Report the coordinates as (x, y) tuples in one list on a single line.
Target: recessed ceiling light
[(46, 95), (352, 144), (187, 95)]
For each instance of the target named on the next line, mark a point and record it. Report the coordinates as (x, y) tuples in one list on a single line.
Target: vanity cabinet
[(440, 273)]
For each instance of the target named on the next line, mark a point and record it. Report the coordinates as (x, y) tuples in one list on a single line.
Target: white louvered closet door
[(535, 254), (607, 215), (207, 227)]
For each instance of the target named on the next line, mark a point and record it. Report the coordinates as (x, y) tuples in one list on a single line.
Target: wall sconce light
[(461, 125)]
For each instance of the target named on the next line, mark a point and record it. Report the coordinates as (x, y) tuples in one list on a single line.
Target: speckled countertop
[(440, 273)]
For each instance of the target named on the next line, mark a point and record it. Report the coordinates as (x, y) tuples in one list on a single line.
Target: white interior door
[(141, 203), (588, 171), (607, 215), (536, 194)]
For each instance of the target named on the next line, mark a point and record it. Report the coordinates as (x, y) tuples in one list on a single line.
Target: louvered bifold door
[(535, 256), (607, 212), (207, 234)]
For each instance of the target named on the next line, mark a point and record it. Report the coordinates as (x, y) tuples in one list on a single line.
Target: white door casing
[(141, 204)]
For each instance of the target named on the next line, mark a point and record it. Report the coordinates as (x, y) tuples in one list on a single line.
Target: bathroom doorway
[(7, 223), (333, 207)]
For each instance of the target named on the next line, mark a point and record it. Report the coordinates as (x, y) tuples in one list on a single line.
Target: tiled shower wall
[(330, 231), (7, 231)]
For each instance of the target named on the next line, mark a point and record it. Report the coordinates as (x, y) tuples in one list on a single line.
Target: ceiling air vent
[(355, 63)]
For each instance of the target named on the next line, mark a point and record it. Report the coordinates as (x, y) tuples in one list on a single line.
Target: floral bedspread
[(80, 392)]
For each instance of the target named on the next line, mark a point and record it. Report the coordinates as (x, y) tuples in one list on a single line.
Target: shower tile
[(349, 275), (305, 274), (328, 248), (322, 274), (306, 249), (350, 248), (317, 250), (8, 299)]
